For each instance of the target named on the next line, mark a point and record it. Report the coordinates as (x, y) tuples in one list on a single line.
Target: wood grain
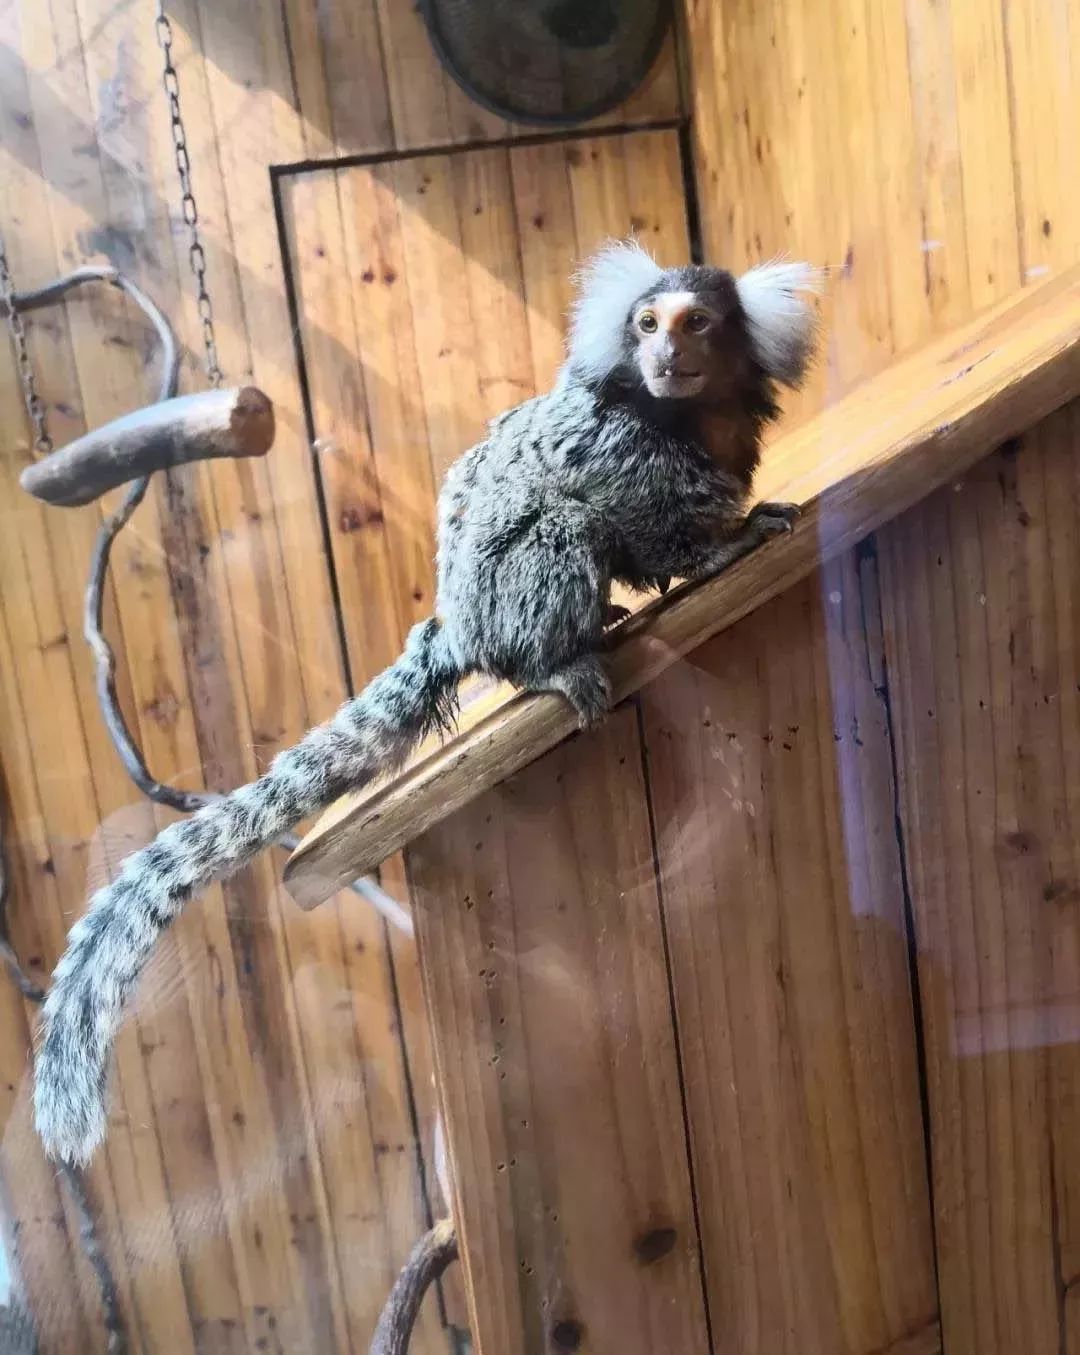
[(968, 111), (930, 177), (365, 78), (940, 152), (981, 642), (773, 809), (540, 930), (924, 1342), (420, 288), (862, 462), (264, 1147)]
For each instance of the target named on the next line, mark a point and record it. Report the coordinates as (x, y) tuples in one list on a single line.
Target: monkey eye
[(647, 322), (697, 322)]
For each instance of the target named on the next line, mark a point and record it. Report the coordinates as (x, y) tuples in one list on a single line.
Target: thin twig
[(99, 1262), (427, 1262)]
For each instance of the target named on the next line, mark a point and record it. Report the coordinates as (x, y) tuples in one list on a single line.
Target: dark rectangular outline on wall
[(680, 127)]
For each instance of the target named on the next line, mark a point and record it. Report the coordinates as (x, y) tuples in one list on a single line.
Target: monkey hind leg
[(585, 685)]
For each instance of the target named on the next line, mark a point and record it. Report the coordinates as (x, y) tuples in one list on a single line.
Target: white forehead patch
[(669, 305)]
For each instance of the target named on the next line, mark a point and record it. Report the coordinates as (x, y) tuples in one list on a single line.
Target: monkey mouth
[(675, 385)]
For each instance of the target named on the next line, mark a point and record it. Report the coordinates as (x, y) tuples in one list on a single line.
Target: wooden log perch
[(202, 427), (427, 1261), (886, 445)]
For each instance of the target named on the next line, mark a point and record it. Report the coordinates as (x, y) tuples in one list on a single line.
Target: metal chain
[(35, 406), (196, 253)]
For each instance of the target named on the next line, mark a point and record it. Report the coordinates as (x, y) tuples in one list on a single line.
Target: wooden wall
[(262, 1181), (707, 827), (845, 833), (933, 168), (880, 765), (924, 149)]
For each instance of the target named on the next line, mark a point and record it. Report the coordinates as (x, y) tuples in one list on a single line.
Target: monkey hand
[(761, 524), (766, 520)]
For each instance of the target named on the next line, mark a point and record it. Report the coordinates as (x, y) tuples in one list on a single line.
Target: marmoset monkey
[(636, 467)]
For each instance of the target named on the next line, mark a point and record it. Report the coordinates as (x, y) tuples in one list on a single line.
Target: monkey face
[(684, 349)]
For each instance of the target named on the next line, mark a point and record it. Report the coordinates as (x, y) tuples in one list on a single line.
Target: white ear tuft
[(608, 285), (781, 320)]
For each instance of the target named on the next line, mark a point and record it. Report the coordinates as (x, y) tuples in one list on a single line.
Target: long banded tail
[(107, 948)]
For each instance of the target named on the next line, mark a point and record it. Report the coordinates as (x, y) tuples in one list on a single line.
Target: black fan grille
[(547, 61)]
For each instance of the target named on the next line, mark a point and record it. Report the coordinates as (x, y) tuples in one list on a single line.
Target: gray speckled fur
[(592, 482)]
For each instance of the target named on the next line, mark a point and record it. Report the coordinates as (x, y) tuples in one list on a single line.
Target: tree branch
[(427, 1261)]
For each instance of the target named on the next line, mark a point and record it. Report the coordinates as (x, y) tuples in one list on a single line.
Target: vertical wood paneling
[(262, 1131), (544, 965), (981, 641), (431, 294), (769, 772), (921, 170), (365, 78), (953, 133)]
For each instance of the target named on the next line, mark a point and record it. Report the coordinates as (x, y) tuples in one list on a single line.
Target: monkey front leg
[(764, 521)]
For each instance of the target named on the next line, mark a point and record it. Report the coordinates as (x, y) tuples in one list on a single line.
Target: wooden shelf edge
[(893, 440)]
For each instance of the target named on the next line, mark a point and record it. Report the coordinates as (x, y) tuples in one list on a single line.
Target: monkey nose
[(671, 363)]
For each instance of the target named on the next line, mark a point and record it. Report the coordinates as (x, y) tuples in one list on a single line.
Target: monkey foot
[(586, 686)]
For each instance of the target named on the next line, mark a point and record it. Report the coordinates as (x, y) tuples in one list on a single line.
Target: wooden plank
[(446, 333), (549, 250), (540, 930), (868, 458), (1044, 77), (339, 78), (989, 192), (982, 648), (346, 256), (758, 144), (906, 251), (386, 353), (942, 236), (494, 286), (769, 774), (356, 520)]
